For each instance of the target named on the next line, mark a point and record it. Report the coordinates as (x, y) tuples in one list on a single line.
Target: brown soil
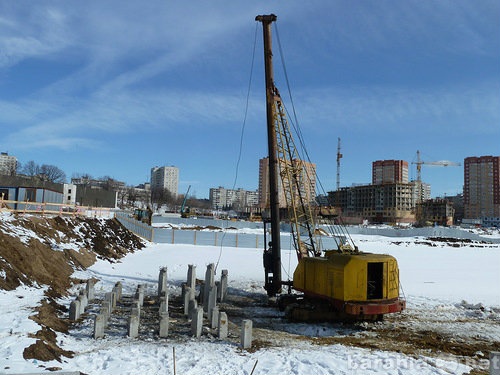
[(37, 263), (45, 348), (41, 261), (414, 342), (402, 333)]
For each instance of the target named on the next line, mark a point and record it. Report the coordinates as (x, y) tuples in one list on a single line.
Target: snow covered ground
[(451, 290)]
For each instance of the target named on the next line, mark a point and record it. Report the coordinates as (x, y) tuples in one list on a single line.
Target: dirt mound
[(38, 251), (45, 251), (45, 348)]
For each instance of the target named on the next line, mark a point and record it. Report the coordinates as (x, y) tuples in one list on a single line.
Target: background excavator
[(328, 284)]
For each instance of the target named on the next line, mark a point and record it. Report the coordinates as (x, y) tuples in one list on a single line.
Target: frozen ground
[(452, 293)]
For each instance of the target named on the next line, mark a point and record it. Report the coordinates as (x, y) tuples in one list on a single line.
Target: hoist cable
[(337, 230), (242, 133)]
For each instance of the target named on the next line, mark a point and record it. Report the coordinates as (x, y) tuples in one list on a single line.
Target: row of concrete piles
[(108, 305), (198, 306), (79, 304), (210, 293)]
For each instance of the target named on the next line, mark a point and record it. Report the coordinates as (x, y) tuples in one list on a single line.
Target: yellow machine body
[(355, 284)]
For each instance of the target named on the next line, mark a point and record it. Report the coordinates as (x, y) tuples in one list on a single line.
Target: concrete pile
[(211, 292), (79, 304), (199, 305)]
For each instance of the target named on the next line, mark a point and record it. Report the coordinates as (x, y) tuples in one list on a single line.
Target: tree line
[(44, 172)]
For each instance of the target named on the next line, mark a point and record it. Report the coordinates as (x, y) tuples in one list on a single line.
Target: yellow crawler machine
[(360, 286), (333, 284)]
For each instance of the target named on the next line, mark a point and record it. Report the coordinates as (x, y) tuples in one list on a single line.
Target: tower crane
[(420, 162), (339, 156), (441, 163)]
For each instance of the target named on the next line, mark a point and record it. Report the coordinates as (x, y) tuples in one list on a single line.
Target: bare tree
[(19, 168), (31, 169), (122, 196), (52, 173), (162, 196), (12, 169), (131, 196), (109, 183)]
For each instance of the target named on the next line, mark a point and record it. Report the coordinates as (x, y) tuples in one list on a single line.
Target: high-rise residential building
[(165, 178), (307, 182), (389, 172), (8, 164), (482, 187)]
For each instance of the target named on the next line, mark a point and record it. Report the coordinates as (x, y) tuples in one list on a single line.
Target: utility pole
[(273, 283)]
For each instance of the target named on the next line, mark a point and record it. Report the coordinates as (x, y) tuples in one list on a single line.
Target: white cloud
[(85, 122), (120, 45), (447, 26), (456, 108), (35, 32)]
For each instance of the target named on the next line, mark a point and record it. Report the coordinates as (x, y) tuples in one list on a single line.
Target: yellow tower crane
[(420, 162)]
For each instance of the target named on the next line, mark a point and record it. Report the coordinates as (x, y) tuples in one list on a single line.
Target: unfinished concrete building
[(434, 212), (385, 203), (391, 198)]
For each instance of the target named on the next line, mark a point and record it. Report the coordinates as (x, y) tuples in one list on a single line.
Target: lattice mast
[(284, 161)]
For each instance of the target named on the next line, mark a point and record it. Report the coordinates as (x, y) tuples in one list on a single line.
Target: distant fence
[(224, 237), (194, 236), (140, 229), (219, 223), (422, 232), (220, 235), (50, 208)]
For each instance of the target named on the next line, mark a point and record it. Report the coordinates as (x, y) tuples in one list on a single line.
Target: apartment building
[(240, 199), (165, 178), (482, 189), (389, 172), (307, 181), (8, 164)]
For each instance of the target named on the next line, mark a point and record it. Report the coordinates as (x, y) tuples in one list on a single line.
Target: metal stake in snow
[(173, 354), (254, 366)]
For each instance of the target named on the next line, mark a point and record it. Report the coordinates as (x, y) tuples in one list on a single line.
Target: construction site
[(432, 331), (83, 294)]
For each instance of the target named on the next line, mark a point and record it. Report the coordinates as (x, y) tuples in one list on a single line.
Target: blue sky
[(117, 87)]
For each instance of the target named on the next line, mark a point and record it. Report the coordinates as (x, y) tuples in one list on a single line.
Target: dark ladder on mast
[(272, 266)]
